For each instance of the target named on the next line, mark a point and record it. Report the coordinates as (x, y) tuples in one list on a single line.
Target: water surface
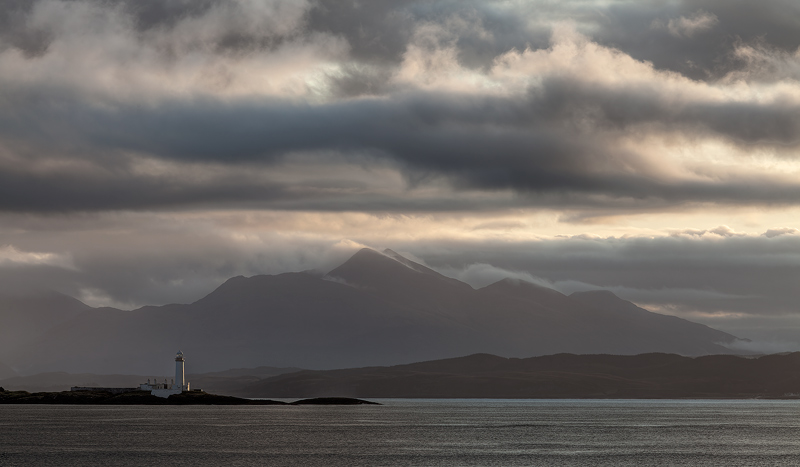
[(407, 432)]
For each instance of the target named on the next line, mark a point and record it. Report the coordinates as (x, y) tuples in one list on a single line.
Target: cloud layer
[(149, 149), (108, 103)]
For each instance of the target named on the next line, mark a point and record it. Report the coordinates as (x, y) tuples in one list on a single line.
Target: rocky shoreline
[(145, 398)]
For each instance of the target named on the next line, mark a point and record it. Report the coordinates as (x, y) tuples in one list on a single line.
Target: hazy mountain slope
[(225, 382), (516, 318), (553, 376), (591, 322), (26, 317), (647, 329), (6, 371), (398, 280), (296, 318), (376, 308), (260, 372)]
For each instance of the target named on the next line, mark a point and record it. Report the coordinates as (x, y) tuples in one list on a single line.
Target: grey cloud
[(628, 26), (131, 261), (75, 191), (355, 81), (725, 231), (689, 26), (378, 32), (692, 232), (221, 26), (476, 142), (14, 31), (699, 44), (777, 232)]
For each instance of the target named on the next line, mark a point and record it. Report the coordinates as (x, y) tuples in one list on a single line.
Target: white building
[(165, 389)]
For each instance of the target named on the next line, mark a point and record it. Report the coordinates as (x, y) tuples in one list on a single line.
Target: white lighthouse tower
[(178, 385), (180, 379)]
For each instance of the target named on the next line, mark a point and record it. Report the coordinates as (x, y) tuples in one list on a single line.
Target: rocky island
[(154, 393), (146, 398)]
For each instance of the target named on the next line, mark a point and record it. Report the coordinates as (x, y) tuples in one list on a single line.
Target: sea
[(408, 432)]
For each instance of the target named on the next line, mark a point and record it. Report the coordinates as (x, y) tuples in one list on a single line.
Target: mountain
[(375, 309), (25, 317), (652, 376)]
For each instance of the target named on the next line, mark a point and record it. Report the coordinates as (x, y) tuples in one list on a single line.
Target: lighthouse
[(179, 374), (178, 385)]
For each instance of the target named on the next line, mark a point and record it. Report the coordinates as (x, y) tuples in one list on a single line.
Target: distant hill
[(652, 376), (229, 381), (375, 309), (555, 376), (60, 381), (222, 382)]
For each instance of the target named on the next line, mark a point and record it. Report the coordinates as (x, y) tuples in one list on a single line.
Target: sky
[(151, 149)]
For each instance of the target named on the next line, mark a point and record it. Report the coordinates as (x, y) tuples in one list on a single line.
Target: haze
[(152, 149)]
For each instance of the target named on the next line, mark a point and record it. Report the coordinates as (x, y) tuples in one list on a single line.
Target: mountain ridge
[(374, 309), (560, 376)]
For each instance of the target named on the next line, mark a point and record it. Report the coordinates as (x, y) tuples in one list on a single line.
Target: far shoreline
[(142, 398)]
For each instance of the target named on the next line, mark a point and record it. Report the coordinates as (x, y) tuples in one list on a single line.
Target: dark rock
[(333, 401), (128, 398)]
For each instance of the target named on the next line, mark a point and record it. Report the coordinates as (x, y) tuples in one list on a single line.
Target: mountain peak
[(387, 269), (604, 296), (516, 282)]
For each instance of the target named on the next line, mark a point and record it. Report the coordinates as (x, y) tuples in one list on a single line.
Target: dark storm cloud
[(14, 31), (76, 191), (379, 31), (642, 30), (530, 145)]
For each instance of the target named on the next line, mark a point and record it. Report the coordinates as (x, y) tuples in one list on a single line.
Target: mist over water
[(407, 433)]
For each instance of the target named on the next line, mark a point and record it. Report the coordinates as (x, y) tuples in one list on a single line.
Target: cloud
[(782, 231), (480, 275), (762, 62), (11, 256), (689, 26), (732, 274), (725, 231), (574, 124)]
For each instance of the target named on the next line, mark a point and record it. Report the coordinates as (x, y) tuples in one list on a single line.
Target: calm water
[(408, 432)]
